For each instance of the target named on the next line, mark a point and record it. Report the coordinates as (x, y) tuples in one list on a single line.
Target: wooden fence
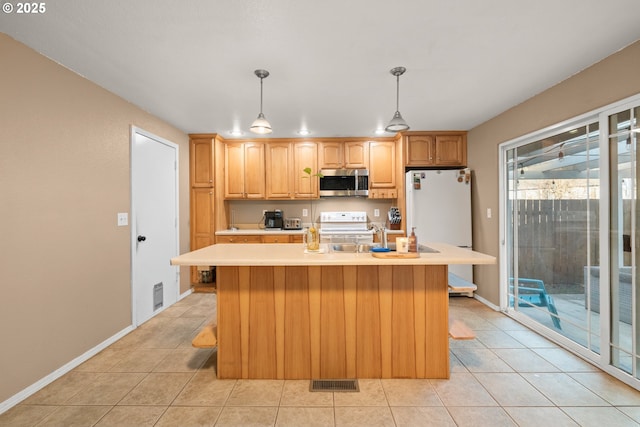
[(556, 239)]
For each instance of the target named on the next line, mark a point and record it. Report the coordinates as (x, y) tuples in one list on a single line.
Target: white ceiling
[(192, 62)]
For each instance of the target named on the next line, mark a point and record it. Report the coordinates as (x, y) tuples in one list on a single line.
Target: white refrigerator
[(439, 207)]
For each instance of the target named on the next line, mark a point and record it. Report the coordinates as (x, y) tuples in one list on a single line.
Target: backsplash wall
[(248, 213)]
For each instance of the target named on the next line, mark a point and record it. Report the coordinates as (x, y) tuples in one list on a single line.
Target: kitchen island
[(286, 314)]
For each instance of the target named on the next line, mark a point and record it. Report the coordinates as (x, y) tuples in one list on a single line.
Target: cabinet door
[(234, 170), (202, 222), (382, 160), (419, 150), (450, 150), (201, 162), (356, 154), (279, 170), (279, 238), (331, 155), (254, 185), (305, 155), (239, 238)]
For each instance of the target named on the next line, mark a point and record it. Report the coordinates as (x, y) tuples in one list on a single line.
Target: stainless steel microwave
[(344, 183)]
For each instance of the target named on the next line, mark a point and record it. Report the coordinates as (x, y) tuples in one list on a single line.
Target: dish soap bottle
[(413, 241)]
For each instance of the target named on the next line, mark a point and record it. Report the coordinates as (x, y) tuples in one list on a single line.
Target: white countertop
[(256, 231), (395, 231), (288, 254), (262, 231)]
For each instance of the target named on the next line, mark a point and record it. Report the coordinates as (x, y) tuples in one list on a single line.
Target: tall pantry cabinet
[(203, 186)]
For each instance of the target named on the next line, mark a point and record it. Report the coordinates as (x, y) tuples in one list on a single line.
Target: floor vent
[(334, 385)]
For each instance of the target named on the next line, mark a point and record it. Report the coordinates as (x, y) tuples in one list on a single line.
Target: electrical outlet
[(123, 219), (305, 212), (489, 213), (376, 212)]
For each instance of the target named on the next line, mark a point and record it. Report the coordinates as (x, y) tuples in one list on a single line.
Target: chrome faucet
[(384, 237), (381, 232)]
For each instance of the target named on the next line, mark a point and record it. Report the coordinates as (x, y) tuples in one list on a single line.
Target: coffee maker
[(273, 219)]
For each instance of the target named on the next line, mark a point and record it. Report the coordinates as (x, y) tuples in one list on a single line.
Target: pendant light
[(397, 123), (261, 125)]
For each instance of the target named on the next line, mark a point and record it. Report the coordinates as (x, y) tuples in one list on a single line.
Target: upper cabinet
[(305, 155), (279, 170), (284, 165), (446, 148), (201, 161), (344, 155), (382, 161), (244, 170), (382, 170)]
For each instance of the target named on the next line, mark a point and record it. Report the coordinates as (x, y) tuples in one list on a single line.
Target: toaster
[(292, 224)]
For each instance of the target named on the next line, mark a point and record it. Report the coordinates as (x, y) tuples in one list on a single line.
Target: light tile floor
[(507, 376)]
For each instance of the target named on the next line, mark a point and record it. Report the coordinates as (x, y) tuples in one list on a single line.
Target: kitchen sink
[(352, 247)]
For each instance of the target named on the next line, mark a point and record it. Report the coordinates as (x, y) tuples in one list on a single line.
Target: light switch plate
[(376, 212), (123, 219)]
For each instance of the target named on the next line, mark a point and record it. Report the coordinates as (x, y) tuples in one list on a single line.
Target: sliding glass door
[(570, 256), (624, 239), (552, 209)]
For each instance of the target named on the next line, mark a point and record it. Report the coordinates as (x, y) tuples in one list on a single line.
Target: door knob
[(142, 238)]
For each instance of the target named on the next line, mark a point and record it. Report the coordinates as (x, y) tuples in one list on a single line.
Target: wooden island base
[(329, 321)]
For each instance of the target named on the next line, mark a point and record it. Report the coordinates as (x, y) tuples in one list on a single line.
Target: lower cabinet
[(259, 238), (239, 238), (283, 238)]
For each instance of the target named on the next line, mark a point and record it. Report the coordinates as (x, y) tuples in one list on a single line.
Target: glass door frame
[(601, 115)]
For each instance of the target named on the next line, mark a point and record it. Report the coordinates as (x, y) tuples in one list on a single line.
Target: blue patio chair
[(532, 292)]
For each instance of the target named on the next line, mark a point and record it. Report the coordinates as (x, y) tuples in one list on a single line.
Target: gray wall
[(610, 80), (64, 175)]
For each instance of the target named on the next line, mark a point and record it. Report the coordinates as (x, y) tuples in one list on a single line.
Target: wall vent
[(157, 296)]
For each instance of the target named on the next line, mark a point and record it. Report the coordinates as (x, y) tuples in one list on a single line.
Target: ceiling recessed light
[(303, 132), (380, 131), (236, 133)]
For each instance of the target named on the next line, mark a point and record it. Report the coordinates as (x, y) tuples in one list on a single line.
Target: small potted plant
[(312, 237)]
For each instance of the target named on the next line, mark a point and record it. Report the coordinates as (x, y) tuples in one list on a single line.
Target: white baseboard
[(186, 294), (486, 302), (20, 396)]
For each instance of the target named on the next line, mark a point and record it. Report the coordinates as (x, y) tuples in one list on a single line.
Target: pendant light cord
[(261, 95), (397, 92)]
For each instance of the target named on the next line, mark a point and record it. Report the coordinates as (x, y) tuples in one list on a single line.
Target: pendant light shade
[(397, 123), (260, 125)]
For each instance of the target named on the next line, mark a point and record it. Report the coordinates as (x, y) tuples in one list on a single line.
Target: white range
[(345, 227)]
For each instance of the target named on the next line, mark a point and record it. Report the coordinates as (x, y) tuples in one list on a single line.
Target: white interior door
[(154, 224)]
